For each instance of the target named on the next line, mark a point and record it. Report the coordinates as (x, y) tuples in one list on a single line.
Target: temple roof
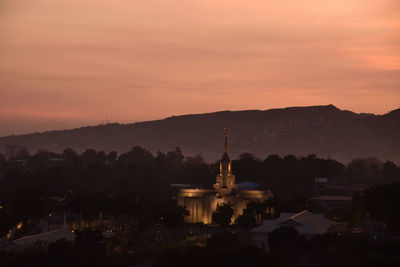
[(248, 185)]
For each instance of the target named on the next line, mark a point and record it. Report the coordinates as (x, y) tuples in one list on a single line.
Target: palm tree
[(259, 209)]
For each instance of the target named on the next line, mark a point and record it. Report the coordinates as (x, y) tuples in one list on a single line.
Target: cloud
[(137, 60)]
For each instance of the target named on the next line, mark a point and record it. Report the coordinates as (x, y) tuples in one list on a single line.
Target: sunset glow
[(68, 63)]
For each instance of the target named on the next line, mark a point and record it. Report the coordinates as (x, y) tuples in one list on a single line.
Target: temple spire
[(225, 179), (226, 140)]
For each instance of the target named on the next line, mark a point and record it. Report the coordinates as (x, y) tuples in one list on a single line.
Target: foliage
[(224, 240), (97, 182), (223, 215), (173, 216), (246, 220), (255, 212), (283, 238), (135, 186), (382, 202), (222, 249), (90, 240)]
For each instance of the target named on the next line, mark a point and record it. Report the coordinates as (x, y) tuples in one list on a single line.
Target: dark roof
[(248, 185)]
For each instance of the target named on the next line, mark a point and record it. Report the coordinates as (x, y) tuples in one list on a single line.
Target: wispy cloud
[(137, 60)]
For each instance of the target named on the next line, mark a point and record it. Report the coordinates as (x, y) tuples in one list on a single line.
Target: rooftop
[(305, 222)]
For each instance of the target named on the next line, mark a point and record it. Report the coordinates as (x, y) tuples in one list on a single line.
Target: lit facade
[(202, 203)]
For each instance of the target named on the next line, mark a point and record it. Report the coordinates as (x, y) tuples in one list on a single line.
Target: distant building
[(328, 203), (329, 197), (322, 180), (202, 203), (306, 223), (15, 151), (320, 183)]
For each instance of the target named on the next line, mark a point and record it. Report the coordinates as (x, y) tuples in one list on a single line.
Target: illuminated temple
[(202, 203)]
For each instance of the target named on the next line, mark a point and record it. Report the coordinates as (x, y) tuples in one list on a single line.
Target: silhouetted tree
[(69, 154), (111, 157), (246, 220), (283, 239), (381, 201), (64, 252), (90, 240), (29, 205), (223, 240), (91, 157), (175, 157), (136, 156), (364, 171), (195, 171), (390, 172), (259, 208), (223, 215), (173, 216)]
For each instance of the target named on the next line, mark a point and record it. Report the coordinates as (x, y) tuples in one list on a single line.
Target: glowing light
[(19, 226)]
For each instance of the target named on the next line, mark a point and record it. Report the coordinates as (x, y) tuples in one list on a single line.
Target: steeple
[(226, 140), (225, 179), (226, 161), (225, 164)]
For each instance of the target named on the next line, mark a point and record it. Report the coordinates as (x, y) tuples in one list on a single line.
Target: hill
[(323, 130)]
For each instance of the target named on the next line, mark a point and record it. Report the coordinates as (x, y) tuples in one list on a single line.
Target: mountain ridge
[(323, 130)]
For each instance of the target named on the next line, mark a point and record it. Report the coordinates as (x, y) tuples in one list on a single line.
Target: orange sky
[(65, 63)]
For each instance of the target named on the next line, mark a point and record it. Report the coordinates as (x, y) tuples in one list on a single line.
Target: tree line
[(139, 171), (115, 184)]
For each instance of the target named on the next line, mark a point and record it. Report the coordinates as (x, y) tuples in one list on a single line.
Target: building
[(202, 203), (320, 183), (328, 203), (15, 151), (328, 197), (306, 223), (45, 238)]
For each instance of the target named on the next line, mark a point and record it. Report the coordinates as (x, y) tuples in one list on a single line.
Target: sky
[(69, 63)]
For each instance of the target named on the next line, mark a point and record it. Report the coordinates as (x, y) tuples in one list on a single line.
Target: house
[(306, 223), (330, 197), (329, 203), (45, 238)]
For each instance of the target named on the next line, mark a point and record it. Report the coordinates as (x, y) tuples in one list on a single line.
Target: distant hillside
[(323, 130)]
